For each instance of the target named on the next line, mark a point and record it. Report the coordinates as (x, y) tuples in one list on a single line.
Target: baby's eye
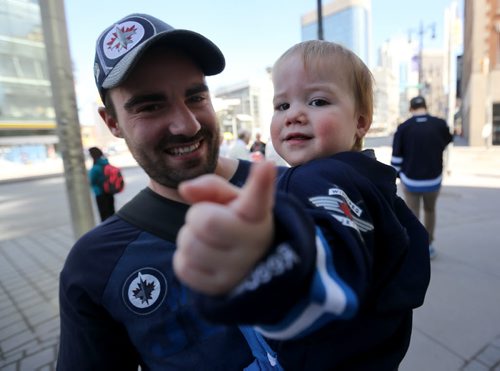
[(282, 107), (318, 102)]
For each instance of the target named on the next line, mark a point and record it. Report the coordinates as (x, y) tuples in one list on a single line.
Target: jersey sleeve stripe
[(330, 298)]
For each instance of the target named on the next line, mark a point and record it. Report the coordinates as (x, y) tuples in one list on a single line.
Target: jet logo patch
[(340, 206), (144, 290)]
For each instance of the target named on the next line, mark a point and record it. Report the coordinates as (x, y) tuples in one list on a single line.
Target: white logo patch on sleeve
[(144, 290), (343, 209)]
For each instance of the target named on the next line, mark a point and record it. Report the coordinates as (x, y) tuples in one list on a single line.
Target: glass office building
[(346, 22), (27, 115)]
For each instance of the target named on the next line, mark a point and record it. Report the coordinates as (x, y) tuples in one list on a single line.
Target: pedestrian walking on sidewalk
[(417, 155), (105, 201)]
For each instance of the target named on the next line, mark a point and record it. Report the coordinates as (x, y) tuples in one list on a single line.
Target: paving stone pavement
[(29, 310)]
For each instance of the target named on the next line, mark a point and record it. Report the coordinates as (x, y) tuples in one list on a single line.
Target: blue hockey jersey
[(417, 152), (350, 264)]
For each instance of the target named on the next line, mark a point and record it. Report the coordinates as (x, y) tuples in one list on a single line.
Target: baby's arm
[(227, 230)]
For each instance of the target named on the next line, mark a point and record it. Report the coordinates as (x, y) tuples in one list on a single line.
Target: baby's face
[(314, 115)]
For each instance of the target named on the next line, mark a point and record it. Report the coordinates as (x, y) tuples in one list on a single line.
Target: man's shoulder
[(113, 226), (408, 122), (94, 256), (100, 243), (241, 174), (436, 119), (415, 122)]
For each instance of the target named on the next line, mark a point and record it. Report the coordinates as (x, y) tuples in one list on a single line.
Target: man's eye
[(148, 107), (282, 107), (196, 98), (318, 102)]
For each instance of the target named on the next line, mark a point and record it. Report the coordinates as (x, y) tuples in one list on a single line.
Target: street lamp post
[(421, 32), (320, 20), (68, 127)]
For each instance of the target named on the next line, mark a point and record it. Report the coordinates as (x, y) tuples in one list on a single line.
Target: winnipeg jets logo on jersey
[(343, 209), (144, 290)]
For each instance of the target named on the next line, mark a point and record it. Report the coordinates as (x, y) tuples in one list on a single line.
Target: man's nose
[(183, 121)]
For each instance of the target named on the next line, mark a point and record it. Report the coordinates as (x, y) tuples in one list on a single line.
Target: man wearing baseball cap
[(120, 303), (417, 155)]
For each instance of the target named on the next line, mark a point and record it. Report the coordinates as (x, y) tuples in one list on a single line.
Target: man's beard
[(157, 168)]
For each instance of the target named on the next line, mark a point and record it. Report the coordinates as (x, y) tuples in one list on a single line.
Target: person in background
[(258, 145), (329, 270), (105, 201), (486, 134), (239, 148), (417, 155)]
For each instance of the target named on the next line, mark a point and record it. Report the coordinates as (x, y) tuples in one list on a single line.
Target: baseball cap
[(122, 44), (417, 102)]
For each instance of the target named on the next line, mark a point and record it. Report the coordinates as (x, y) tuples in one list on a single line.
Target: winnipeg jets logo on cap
[(144, 290), (122, 38)]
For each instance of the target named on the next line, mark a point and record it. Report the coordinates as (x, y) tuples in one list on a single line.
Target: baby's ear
[(363, 125)]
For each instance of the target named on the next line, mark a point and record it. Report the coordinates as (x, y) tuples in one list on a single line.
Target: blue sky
[(251, 33)]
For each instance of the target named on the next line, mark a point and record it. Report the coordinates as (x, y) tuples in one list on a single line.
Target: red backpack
[(113, 180)]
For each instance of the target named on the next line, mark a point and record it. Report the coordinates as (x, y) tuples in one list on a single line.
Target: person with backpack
[(105, 200)]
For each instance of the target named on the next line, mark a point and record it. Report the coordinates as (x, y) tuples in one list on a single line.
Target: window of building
[(7, 68), (495, 140), (26, 103)]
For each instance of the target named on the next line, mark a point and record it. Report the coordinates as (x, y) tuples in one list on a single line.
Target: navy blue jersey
[(121, 305), (417, 152), (350, 263)]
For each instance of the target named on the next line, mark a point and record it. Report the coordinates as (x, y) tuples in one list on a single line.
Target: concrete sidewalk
[(29, 309), (458, 328)]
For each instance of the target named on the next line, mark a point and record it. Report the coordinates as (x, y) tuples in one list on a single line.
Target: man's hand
[(227, 230)]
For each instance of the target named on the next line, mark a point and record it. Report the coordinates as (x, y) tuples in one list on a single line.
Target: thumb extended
[(257, 196), (209, 187)]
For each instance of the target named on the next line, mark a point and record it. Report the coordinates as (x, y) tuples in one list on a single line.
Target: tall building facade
[(27, 115), (247, 104), (433, 70), (480, 89), (346, 22), (386, 113)]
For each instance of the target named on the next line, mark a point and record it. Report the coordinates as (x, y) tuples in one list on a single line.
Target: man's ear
[(110, 122)]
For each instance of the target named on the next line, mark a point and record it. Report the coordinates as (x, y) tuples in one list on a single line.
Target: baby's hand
[(227, 230)]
